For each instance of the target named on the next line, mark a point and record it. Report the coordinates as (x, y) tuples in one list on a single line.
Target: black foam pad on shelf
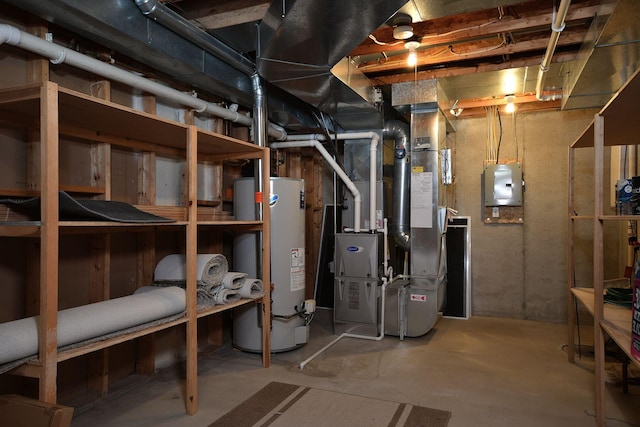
[(85, 210)]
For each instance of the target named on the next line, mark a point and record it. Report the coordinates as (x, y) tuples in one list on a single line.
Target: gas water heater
[(289, 327)]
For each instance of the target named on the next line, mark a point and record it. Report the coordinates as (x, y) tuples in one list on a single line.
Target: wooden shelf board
[(582, 217), (615, 330), (79, 351), (220, 308), (210, 143), (616, 322), (620, 217), (209, 203), (18, 192), (28, 92), (103, 117), (178, 213), (585, 296), (82, 189), (20, 229), (116, 225), (238, 225)]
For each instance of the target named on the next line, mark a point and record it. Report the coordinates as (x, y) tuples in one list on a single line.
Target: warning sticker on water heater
[(418, 297), (297, 269)]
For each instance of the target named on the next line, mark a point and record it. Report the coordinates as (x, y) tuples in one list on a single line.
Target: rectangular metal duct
[(609, 56), (301, 48), (121, 26)]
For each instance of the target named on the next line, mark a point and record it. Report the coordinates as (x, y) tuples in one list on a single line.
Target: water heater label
[(297, 269), (417, 297)]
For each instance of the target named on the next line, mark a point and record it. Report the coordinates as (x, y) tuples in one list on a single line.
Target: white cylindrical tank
[(286, 201)]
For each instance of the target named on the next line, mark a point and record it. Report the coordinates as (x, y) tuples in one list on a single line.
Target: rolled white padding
[(223, 296), (210, 270), (251, 288), (233, 280), (19, 338)]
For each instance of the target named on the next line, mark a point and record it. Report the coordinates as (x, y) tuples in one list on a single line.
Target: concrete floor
[(486, 371)]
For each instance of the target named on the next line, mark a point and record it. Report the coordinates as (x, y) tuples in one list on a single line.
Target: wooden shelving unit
[(616, 124), (51, 111)]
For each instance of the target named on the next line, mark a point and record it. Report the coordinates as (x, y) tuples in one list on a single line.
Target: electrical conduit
[(557, 26), (58, 55)]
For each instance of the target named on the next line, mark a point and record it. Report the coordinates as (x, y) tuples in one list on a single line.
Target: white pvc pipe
[(375, 138), (357, 198), (557, 26), (59, 54)]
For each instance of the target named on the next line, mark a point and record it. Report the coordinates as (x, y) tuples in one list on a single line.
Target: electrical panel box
[(503, 185)]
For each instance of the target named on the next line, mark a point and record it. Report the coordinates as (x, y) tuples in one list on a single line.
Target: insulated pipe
[(357, 198), (58, 55), (374, 138), (557, 26)]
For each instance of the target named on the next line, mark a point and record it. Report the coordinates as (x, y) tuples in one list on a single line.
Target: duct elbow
[(147, 7), (278, 132), (9, 35), (401, 238), (397, 130)]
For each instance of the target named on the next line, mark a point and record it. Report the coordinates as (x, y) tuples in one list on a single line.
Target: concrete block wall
[(520, 270)]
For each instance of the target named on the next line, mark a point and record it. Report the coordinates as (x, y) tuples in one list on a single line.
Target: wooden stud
[(37, 67), (146, 346), (100, 273)]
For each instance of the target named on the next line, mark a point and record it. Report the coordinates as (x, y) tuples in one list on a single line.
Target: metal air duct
[(399, 226), (609, 56), (303, 45), (120, 25)]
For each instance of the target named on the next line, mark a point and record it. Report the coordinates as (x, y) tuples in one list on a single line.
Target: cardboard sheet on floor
[(20, 411)]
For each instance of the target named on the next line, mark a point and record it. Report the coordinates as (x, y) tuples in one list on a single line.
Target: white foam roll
[(251, 288), (233, 280), (19, 338), (225, 296), (210, 269)]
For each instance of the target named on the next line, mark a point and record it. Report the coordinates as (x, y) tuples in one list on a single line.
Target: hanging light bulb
[(510, 106), (412, 59)]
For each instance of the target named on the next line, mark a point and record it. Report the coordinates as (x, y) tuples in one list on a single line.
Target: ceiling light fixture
[(412, 59), (402, 29), (455, 110), (402, 32), (510, 107)]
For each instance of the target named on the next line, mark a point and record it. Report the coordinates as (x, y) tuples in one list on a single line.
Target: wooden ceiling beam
[(407, 75), (472, 51), (475, 26)]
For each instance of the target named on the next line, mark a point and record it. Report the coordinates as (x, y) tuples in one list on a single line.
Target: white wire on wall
[(492, 139)]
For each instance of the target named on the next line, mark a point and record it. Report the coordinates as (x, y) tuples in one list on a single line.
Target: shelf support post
[(47, 331), (598, 269)]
